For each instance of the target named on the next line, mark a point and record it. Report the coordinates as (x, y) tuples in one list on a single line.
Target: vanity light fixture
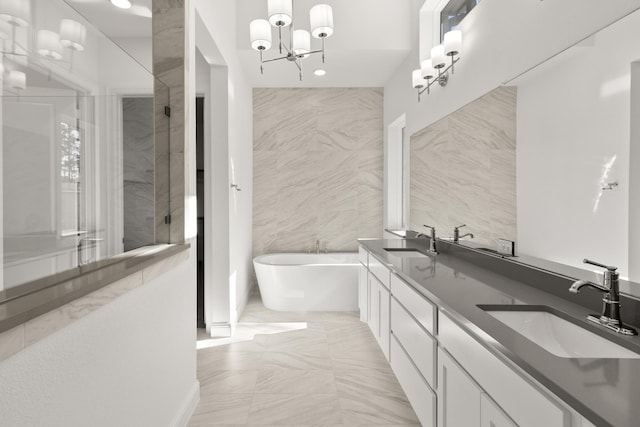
[(122, 4), (280, 15), (435, 69)]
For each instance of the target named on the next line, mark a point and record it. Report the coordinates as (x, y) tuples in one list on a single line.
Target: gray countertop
[(605, 391)]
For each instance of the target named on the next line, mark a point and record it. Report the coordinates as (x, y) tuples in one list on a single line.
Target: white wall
[(573, 133), (219, 18), (131, 362), (501, 39)]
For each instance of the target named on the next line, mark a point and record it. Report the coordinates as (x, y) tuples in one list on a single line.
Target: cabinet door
[(363, 293), (458, 396), (374, 306), (491, 415), (385, 320)]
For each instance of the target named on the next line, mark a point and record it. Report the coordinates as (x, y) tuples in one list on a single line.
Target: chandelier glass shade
[(298, 47)]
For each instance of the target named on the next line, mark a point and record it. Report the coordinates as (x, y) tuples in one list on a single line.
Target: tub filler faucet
[(610, 316)]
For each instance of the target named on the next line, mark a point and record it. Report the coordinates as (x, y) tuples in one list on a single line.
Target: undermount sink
[(555, 334), (404, 252)]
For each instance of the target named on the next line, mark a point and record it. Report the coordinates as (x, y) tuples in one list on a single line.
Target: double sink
[(557, 333)]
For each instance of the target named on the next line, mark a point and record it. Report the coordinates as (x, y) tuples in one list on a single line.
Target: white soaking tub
[(308, 282)]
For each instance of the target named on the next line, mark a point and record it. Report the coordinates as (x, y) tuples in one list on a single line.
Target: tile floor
[(297, 369)]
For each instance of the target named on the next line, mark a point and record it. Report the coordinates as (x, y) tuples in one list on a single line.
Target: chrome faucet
[(432, 242), (610, 316), (456, 233), (317, 246)]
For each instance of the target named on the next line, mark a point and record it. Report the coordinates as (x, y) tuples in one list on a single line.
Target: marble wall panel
[(318, 168), (138, 172), (169, 59), (463, 170)]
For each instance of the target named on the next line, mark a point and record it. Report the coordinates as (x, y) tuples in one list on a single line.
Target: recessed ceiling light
[(122, 4), (319, 72)]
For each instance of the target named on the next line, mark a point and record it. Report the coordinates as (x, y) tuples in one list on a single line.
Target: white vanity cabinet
[(379, 313), (461, 402), (450, 379), (458, 396), (363, 285), (525, 403), (374, 298), (491, 415)]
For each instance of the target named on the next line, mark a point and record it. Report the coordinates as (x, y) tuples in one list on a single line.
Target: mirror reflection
[(77, 131)]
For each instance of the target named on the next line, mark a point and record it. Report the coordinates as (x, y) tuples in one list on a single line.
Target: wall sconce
[(435, 69)]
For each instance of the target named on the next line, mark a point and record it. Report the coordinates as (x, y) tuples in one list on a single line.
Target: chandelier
[(299, 44), (435, 69)]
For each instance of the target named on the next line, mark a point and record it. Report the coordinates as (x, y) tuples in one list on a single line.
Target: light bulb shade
[(72, 34), (280, 12), (17, 79), (416, 77), (5, 30), (426, 69), (122, 4), (321, 18), (301, 42), (453, 42), (16, 12), (49, 46), (260, 31), (438, 58)]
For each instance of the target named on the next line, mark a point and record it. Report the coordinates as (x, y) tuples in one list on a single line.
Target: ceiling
[(115, 22), (371, 39)]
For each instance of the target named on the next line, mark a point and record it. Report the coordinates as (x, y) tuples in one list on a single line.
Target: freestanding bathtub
[(308, 282)]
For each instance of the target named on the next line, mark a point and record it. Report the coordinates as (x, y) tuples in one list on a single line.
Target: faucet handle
[(597, 264), (428, 226), (459, 227)]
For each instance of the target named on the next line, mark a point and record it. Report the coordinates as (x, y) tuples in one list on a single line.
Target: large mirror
[(577, 151), (573, 176), (77, 139)]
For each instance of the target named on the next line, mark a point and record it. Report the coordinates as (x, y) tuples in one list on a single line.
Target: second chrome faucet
[(432, 239)]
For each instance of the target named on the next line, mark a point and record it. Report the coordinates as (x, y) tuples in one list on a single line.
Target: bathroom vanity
[(479, 340)]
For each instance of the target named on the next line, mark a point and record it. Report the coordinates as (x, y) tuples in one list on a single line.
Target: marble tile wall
[(318, 165), (138, 172), (463, 169), (169, 59)]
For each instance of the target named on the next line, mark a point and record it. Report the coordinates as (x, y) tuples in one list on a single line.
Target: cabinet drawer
[(421, 397), (363, 255), (416, 304), (526, 404), (379, 270), (418, 344)]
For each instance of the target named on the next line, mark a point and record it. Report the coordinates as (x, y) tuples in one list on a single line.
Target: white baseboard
[(189, 405), (220, 330)]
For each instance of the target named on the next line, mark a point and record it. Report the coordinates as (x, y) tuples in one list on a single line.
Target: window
[(453, 13)]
